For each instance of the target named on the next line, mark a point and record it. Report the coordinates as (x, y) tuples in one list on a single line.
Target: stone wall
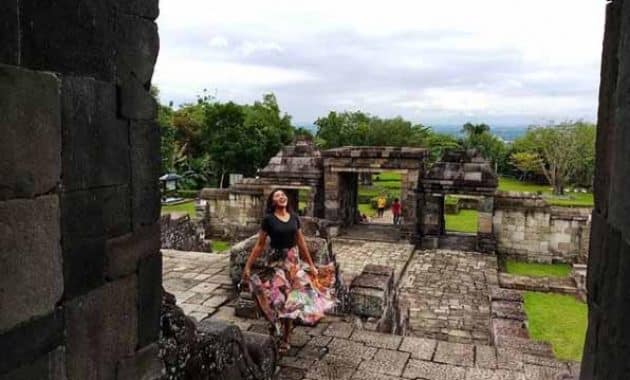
[(80, 281), (183, 234), (607, 342), (231, 214), (528, 229)]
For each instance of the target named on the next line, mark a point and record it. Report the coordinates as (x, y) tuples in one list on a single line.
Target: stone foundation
[(528, 229)]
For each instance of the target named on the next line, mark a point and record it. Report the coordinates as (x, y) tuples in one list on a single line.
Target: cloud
[(432, 62)]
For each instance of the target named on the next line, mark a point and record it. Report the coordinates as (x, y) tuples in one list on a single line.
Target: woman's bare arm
[(256, 251)]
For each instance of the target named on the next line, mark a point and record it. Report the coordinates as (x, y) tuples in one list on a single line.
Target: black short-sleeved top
[(282, 234)]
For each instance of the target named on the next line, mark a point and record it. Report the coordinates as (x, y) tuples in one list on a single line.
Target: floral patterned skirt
[(287, 290)]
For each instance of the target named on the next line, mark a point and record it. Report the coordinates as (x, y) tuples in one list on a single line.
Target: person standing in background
[(381, 202), (396, 210)]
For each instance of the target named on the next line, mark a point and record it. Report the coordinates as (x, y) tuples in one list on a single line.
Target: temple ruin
[(82, 276)]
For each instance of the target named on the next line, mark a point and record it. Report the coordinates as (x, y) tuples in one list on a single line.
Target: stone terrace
[(447, 293)]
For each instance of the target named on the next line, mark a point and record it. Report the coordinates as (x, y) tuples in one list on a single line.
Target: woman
[(287, 289)]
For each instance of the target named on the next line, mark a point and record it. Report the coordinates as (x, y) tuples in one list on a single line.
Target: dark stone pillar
[(607, 343), (79, 198)]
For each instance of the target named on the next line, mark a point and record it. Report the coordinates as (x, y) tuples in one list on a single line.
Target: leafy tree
[(526, 163), (470, 129), (566, 152), (489, 145), (274, 127)]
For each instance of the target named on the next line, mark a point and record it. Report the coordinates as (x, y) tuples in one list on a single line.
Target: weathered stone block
[(95, 142), (30, 252), (149, 298), (9, 33), (137, 48), (83, 265), (368, 302), (29, 112), (143, 365), (136, 102), (27, 342), (109, 313), (50, 37), (106, 209), (123, 253), (50, 366), (145, 168)]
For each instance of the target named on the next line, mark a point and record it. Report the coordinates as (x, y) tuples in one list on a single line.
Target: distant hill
[(508, 134)]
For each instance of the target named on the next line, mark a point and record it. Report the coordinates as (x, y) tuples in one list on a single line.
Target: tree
[(470, 129), (526, 162), (360, 129), (490, 146), (275, 128), (566, 152)]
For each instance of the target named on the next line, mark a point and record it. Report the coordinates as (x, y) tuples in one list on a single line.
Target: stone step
[(525, 345)]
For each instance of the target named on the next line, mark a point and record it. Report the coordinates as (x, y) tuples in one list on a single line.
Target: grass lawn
[(538, 270), (183, 208), (558, 319), (387, 177), (220, 246), (465, 221), (365, 208), (569, 199)]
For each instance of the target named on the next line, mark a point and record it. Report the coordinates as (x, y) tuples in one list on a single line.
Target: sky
[(506, 63)]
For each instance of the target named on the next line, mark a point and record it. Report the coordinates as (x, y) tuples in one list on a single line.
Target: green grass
[(365, 208), (387, 177), (558, 319), (465, 221), (567, 200), (181, 208), (538, 270), (220, 246)]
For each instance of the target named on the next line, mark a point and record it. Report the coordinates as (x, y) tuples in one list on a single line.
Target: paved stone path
[(336, 351), (200, 281), (448, 295), (447, 292)]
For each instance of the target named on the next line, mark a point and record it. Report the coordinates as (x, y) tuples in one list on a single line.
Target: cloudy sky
[(505, 62)]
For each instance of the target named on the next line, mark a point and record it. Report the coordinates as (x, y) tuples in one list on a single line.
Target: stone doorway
[(342, 168)]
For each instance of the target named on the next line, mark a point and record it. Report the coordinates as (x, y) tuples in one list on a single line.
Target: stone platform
[(353, 255), (447, 293)]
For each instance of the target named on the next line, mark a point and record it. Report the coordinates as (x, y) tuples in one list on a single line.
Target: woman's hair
[(270, 207), (396, 200)]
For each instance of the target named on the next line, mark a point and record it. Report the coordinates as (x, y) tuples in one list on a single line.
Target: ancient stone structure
[(607, 349), (462, 172), (331, 178), (528, 229), (80, 284), (342, 167)]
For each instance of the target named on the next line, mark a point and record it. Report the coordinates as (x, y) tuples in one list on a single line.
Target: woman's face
[(280, 199)]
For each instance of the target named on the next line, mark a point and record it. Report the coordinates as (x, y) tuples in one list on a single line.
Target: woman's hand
[(313, 271), (246, 275)]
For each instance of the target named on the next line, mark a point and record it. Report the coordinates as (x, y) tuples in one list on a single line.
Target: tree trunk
[(222, 178)]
